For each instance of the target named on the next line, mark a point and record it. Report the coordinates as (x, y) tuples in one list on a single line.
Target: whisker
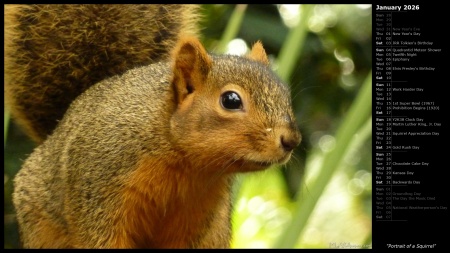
[(306, 88)]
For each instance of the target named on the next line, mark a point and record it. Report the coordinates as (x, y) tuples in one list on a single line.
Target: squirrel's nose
[(290, 141)]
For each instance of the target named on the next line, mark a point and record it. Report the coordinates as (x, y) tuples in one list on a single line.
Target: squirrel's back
[(53, 53)]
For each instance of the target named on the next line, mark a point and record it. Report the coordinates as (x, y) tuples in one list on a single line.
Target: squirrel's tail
[(55, 52)]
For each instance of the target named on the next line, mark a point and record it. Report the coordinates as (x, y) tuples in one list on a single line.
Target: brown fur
[(76, 46), (179, 206), (258, 53), (146, 159)]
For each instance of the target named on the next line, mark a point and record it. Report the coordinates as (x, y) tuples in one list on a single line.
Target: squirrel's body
[(142, 188), (145, 159)]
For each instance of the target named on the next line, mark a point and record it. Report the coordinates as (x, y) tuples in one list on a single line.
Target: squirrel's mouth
[(264, 164), (253, 165), (271, 162), (249, 164)]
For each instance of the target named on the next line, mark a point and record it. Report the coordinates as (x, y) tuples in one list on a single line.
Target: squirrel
[(141, 131)]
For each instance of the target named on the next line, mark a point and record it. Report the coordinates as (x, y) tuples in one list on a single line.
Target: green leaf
[(232, 29)]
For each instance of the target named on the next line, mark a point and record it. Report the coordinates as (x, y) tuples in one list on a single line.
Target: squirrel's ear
[(191, 65), (258, 53)]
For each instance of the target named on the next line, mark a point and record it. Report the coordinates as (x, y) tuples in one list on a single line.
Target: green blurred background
[(322, 197)]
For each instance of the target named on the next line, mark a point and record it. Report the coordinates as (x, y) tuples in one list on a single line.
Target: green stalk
[(232, 28), (290, 51), (358, 113)]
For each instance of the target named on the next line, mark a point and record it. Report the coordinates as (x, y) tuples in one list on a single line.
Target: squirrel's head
[(232, 113)]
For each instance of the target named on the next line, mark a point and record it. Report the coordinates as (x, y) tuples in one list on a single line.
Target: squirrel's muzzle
[(290, 141)]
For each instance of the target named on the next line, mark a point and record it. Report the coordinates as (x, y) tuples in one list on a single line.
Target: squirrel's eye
[(230, 100)]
